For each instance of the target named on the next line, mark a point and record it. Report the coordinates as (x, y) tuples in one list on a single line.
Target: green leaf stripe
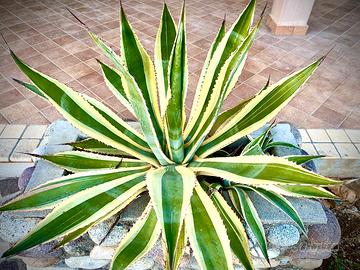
[(175, 110), (81, 209), (302, 159), (164, 43), (95, 146), (170, 189), (235, 230), (137, 102), (280, 202), (141, 68), (132, 135), (53, 191), (219, 36), (227, 78), (80, 113), (232, 40), (246, 209), (113, 82), (256, 170), (207, 233), (304, 191), (77, 161), (258, 111), (140, 239)]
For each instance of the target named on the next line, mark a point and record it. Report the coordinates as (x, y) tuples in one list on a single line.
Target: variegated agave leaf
[(170, 158)]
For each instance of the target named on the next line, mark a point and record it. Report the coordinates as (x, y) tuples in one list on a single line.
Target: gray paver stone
[(13, 228), (100, 231), (310, 211), (80, 246), (55, 136)]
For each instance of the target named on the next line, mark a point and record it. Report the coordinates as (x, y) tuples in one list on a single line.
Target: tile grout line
[(17, 142)]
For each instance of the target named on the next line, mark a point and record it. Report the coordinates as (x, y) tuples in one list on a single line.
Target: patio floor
[(46, 36)]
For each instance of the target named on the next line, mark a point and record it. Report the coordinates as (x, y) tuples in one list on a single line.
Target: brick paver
[(45, 35)]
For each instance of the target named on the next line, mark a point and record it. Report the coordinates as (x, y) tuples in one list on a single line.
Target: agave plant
[(177, 162)]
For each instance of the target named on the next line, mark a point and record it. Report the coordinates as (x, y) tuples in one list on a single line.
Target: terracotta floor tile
[(76, 86), (19, 111), (49, 68), (55, 33), (49, 38), (51, 114), (114, 104), (79, 70), (244, 91), (102, 91), (353, 120), (245, 75), (5, 86), (86, 54), (10, 97), (37, 60), (342, 105), (293, 59), (254, 66), (20, 27), (66, 62), (55, 53), (39, 102), (305, 103), (91, 79), (275, 75), (27, 52), (283, 67), (34, 119), (62, 76), (63, 40), (329, 115), (285, 45), (257, 81), (292, 114), (3, 120), (269, 39), (44, 46), (314, 122), (36, 39)]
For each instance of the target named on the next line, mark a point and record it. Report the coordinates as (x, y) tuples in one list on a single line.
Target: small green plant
[(176, 161)]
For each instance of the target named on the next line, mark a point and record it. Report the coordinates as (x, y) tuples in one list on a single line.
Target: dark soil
[(346, 256)]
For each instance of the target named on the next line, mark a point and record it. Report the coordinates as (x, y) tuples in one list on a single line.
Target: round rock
[(25, 177), (310, 253), (40, 262), (272, 252), (85, 262), (100, 252), (261, 263), (12, 264), (79, 247), (283, 235), (43, 251), (325, 235), (306, 263)]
